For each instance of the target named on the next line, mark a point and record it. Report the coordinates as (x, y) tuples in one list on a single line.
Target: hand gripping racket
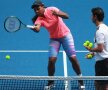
[(13, 24)]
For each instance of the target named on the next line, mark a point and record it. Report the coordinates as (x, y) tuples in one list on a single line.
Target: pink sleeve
[(38, 21)]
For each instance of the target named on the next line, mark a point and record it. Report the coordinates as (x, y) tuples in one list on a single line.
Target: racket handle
[(30, 26)]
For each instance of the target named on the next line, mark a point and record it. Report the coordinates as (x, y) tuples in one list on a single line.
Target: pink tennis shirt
[(54, 24)]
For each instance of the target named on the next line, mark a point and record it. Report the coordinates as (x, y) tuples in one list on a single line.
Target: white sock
[(80, 74)]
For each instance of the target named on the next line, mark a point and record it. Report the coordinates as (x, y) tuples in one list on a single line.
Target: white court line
[(21, 51)]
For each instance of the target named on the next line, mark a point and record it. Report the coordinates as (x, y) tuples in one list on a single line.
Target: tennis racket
[(13, 24)]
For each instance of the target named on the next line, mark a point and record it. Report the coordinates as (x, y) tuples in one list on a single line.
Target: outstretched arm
[(60, 14)]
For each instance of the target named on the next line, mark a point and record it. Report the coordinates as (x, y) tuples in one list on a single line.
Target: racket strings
[(12, 24)]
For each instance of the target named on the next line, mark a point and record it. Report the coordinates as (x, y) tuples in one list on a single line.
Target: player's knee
[(73, 58), (52, 60)]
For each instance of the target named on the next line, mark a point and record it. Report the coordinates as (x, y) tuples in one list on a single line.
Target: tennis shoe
[(81, 87), (49, 87)]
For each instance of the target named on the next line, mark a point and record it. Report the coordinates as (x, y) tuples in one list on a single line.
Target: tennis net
[(17, 82)]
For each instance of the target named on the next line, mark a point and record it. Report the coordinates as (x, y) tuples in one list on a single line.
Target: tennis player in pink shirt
[(51, 19)]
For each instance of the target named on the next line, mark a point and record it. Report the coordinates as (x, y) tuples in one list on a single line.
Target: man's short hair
[(98, 12)]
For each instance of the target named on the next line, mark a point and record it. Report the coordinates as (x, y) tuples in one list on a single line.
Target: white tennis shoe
[(49, 87), (81, 87)]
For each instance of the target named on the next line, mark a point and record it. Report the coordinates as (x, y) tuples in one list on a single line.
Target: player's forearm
[(60, 14), (96, 49), (65, 16), (99, 48)]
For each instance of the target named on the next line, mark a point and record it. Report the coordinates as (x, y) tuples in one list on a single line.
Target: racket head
[(12, 24)]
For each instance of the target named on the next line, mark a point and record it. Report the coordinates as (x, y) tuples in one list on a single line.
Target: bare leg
[(51, 68), (76, 67)]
